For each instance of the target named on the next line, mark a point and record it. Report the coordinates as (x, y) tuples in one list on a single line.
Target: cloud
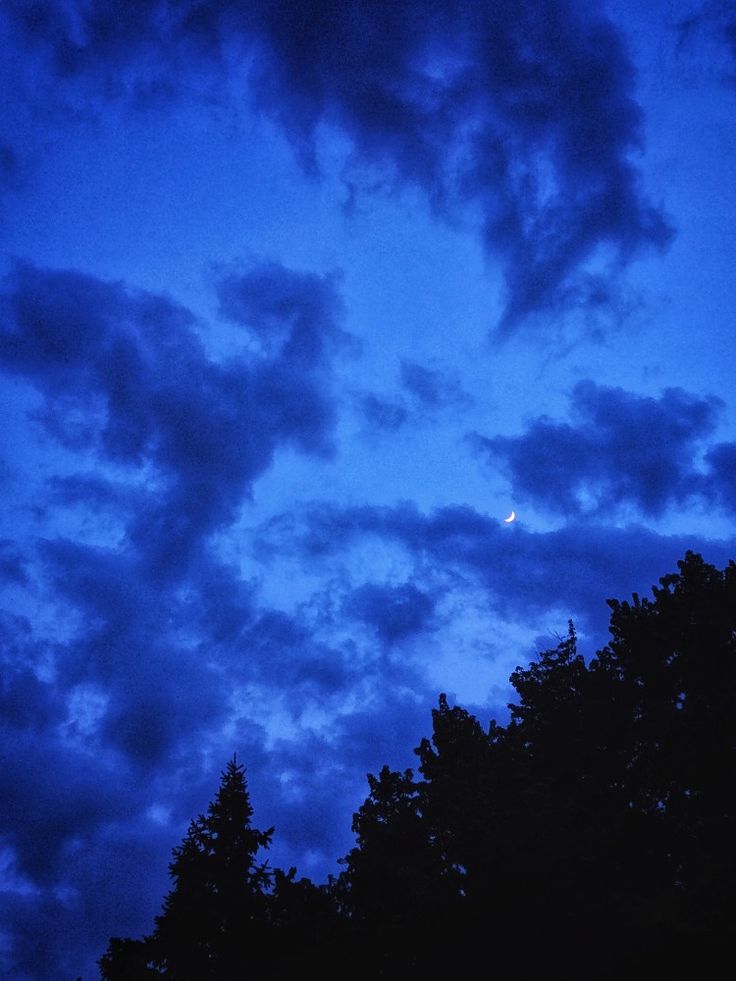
[(525, 109), (124, 374), (381, 414), (620, 449), (523, 113), (12, 564), (159, 659), (394, 612), (155, 693), (119, 50), (317, 782), (9, 165), (75, 917), (712, 21), (147, 699), (526, 575), (157, 685), (720, 481), (431, 387), (26, 700), (426, 391), (294, 315), (283, 654)]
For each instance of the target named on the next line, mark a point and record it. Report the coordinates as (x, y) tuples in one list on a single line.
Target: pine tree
[(214, 922)]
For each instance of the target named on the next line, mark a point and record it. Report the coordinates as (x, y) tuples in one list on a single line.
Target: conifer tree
[(214, 924), (214, 921)]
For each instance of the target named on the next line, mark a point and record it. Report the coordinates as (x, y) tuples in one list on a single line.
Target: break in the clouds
[(618, 449), (519, 118)]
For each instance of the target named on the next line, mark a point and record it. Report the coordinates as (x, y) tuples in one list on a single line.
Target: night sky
[(300, 299)]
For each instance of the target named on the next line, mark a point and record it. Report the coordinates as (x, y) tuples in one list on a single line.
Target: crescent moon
[(510, 518)]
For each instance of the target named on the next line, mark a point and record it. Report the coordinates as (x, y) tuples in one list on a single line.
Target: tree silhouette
[(674, 661), (214, 920), (214, 923), (599, 823), (128, 960), (307, 929), (592, 837), (397, 885)]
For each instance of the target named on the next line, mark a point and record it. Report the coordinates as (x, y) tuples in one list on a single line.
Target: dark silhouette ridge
[(592, 837)]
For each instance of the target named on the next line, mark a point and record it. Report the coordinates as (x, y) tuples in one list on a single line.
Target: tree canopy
[(592, 836)]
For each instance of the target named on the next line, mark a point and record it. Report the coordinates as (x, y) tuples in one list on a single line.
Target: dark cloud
[(619, 449), (158, 649), (283, 654), (321, 777), (157, 693), (74, 918), (94, 492), (152, 658), (526, 111), (125, 374), (294, 315), (57, 797), (381, 414), (119, 49), (9, 165), (714, 21), (12, 564), (218, 604), (525, 574), (729, 33), (79, 806), (164, 666), (25, 700), (426, 390), (394, 612), (158, 684), (720, 481), (431, 387)]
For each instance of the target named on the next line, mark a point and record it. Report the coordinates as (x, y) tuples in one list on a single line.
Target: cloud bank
[(519, 117), (619, 449)]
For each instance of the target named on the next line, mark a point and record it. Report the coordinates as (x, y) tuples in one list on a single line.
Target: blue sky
[(299, 301)]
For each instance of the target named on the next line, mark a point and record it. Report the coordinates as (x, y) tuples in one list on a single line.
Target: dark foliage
[(214, 922), (592, 837)]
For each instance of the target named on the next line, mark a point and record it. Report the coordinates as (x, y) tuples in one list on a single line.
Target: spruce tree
[(215, 922)]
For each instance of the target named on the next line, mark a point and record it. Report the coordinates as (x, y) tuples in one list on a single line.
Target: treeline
[(593, 836)]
